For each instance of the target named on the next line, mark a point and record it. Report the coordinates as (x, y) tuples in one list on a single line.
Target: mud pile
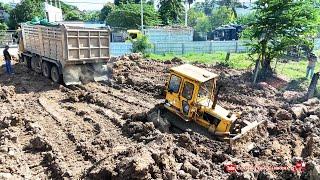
[(87, 131)]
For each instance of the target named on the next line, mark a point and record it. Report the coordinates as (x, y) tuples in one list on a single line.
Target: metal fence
[(181, 48), (6, 38)]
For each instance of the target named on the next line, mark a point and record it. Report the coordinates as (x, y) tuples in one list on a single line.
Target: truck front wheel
[(46, 69), (55, 76)]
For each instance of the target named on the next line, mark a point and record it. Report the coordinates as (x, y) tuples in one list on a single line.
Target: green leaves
[(25, 11), (171, 11), (279, 25), (141, 44), (106, 10), (221, 16), (128, 16)]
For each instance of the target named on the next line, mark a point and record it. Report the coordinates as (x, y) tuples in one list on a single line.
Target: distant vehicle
[(134, 33), (226, 33)]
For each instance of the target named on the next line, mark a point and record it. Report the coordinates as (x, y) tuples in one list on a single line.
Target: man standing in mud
[(7, 58), (312, 59)]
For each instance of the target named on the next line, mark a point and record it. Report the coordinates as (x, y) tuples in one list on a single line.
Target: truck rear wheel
[(46, 69), (55, 76)]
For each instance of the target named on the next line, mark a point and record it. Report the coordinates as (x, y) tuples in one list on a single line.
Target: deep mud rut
[(86, 132)]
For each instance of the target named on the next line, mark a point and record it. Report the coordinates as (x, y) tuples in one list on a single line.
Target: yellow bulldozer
[(191, 96)]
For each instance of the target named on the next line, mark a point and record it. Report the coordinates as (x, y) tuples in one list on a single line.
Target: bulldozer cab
[(188, 87)]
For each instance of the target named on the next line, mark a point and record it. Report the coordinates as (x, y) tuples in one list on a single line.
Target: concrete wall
[(54, 14)]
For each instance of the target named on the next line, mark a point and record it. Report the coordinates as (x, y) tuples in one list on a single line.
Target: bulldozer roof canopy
[(194, 72)]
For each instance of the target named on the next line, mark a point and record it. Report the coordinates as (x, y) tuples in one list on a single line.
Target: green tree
[(279, 25), (128, 16), (66, 8), (232, 4), (25, 11), (3, 28), (246, 19), (207, 6), (171, 11), (92, 16), (106, 10), (141, 44), (199, 21), (73, 15), (203, 24), (221, 16), (6, 7), (119, 2)]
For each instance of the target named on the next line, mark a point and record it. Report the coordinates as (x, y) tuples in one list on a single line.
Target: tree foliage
[(171, 11), (73, 15), (91, 16), (106, 10), (6, 7), (221, 16), (278, 25), (128, 16), (246, 19), (141, 44), (207, 6), (199, 21), (120, 2), (25, 11), (3, 27), (66, 8), (232, 4)]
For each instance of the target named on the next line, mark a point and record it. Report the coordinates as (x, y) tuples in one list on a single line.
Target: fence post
[(237, 46), (313, 85), (182, 48), (154, 48)]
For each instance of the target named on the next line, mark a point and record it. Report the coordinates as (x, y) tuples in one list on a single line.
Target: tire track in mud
[(65, 160), (103, 141)]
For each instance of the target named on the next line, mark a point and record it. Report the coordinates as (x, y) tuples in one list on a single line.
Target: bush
[(141, 44), (3, 29)]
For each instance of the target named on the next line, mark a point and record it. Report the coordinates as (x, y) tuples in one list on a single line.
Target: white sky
[(93, 4), (82, 4)]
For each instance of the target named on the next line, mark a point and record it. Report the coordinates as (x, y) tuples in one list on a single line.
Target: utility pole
[(186, 13), (141, 15)]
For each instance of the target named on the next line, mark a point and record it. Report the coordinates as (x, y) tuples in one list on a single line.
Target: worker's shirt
[(6, 55), (312, 63)]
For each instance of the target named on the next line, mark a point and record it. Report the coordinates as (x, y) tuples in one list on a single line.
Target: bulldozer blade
[(246, 129), (245, 141)]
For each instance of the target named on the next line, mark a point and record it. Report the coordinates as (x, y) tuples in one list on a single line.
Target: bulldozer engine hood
[(218, 111)]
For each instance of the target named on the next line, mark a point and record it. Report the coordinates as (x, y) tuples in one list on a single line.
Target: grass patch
[(292, 70), (237, 60)]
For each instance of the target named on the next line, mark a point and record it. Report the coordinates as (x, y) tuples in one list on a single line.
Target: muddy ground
[(50, 131)]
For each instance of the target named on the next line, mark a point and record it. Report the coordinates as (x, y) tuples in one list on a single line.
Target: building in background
[(53, 11)]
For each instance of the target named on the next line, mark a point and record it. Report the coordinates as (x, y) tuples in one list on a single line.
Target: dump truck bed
[(67, 44)]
